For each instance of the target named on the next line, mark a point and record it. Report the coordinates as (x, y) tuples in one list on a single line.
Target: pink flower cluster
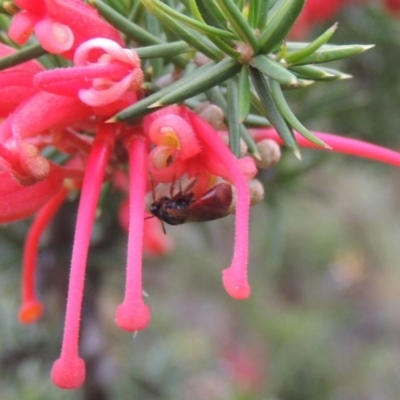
[(68, 109)]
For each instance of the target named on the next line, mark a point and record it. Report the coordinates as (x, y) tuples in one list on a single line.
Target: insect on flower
[(182, 207)]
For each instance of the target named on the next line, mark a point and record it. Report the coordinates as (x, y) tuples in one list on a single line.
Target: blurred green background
[(323, 321)]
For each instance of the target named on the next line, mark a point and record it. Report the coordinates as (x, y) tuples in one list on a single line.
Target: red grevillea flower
[(28, 128), (60, 25), (18, 202), (235, 277), (68, 109), (186, 144), (69, 370), (16, 83), (133, 314), (95, 81), (31, 309), (30, 182)]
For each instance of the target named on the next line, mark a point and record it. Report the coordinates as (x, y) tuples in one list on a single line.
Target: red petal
[(18, 202), (84, 21)]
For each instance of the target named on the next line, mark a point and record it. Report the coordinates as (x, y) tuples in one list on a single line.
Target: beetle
[(182, 207)]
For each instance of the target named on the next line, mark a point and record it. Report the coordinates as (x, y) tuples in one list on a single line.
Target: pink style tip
[(30, 312), (235, 284), (68, 374), (133, 317)]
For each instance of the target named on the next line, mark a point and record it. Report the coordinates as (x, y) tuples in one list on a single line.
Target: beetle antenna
[(190, 185), (172, 187), (153, 188), (163, 227)]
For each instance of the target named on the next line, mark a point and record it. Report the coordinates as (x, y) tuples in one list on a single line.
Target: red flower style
[(155, 241), (16, 83), (21, 163), (337, 144), (60, 25)]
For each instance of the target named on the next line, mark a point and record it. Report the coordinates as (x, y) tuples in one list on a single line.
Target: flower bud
[(256, 191), (270, 153), (213, 115)]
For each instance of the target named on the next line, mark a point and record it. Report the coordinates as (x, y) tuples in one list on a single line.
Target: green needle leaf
[(244, 94), (272, 112), (258, 10), (125, 25), (238, 22), (274, 69), (132, 30), (142, 106), (263, 13), (227, 48), (215, 96), (153, 26), (256, 120), (216, 75), (281, 19), (301, 83), (25, 54), (118, 6), (318, 73), (290, 118), (194, 9), (233, 117), (212, 13), (250, 143), (334, 74), (163, 50), (331, 53), (256, 102), (193, 38), (229, 51), (200, 26), (311, 72), (306, 51), (192, 84)]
